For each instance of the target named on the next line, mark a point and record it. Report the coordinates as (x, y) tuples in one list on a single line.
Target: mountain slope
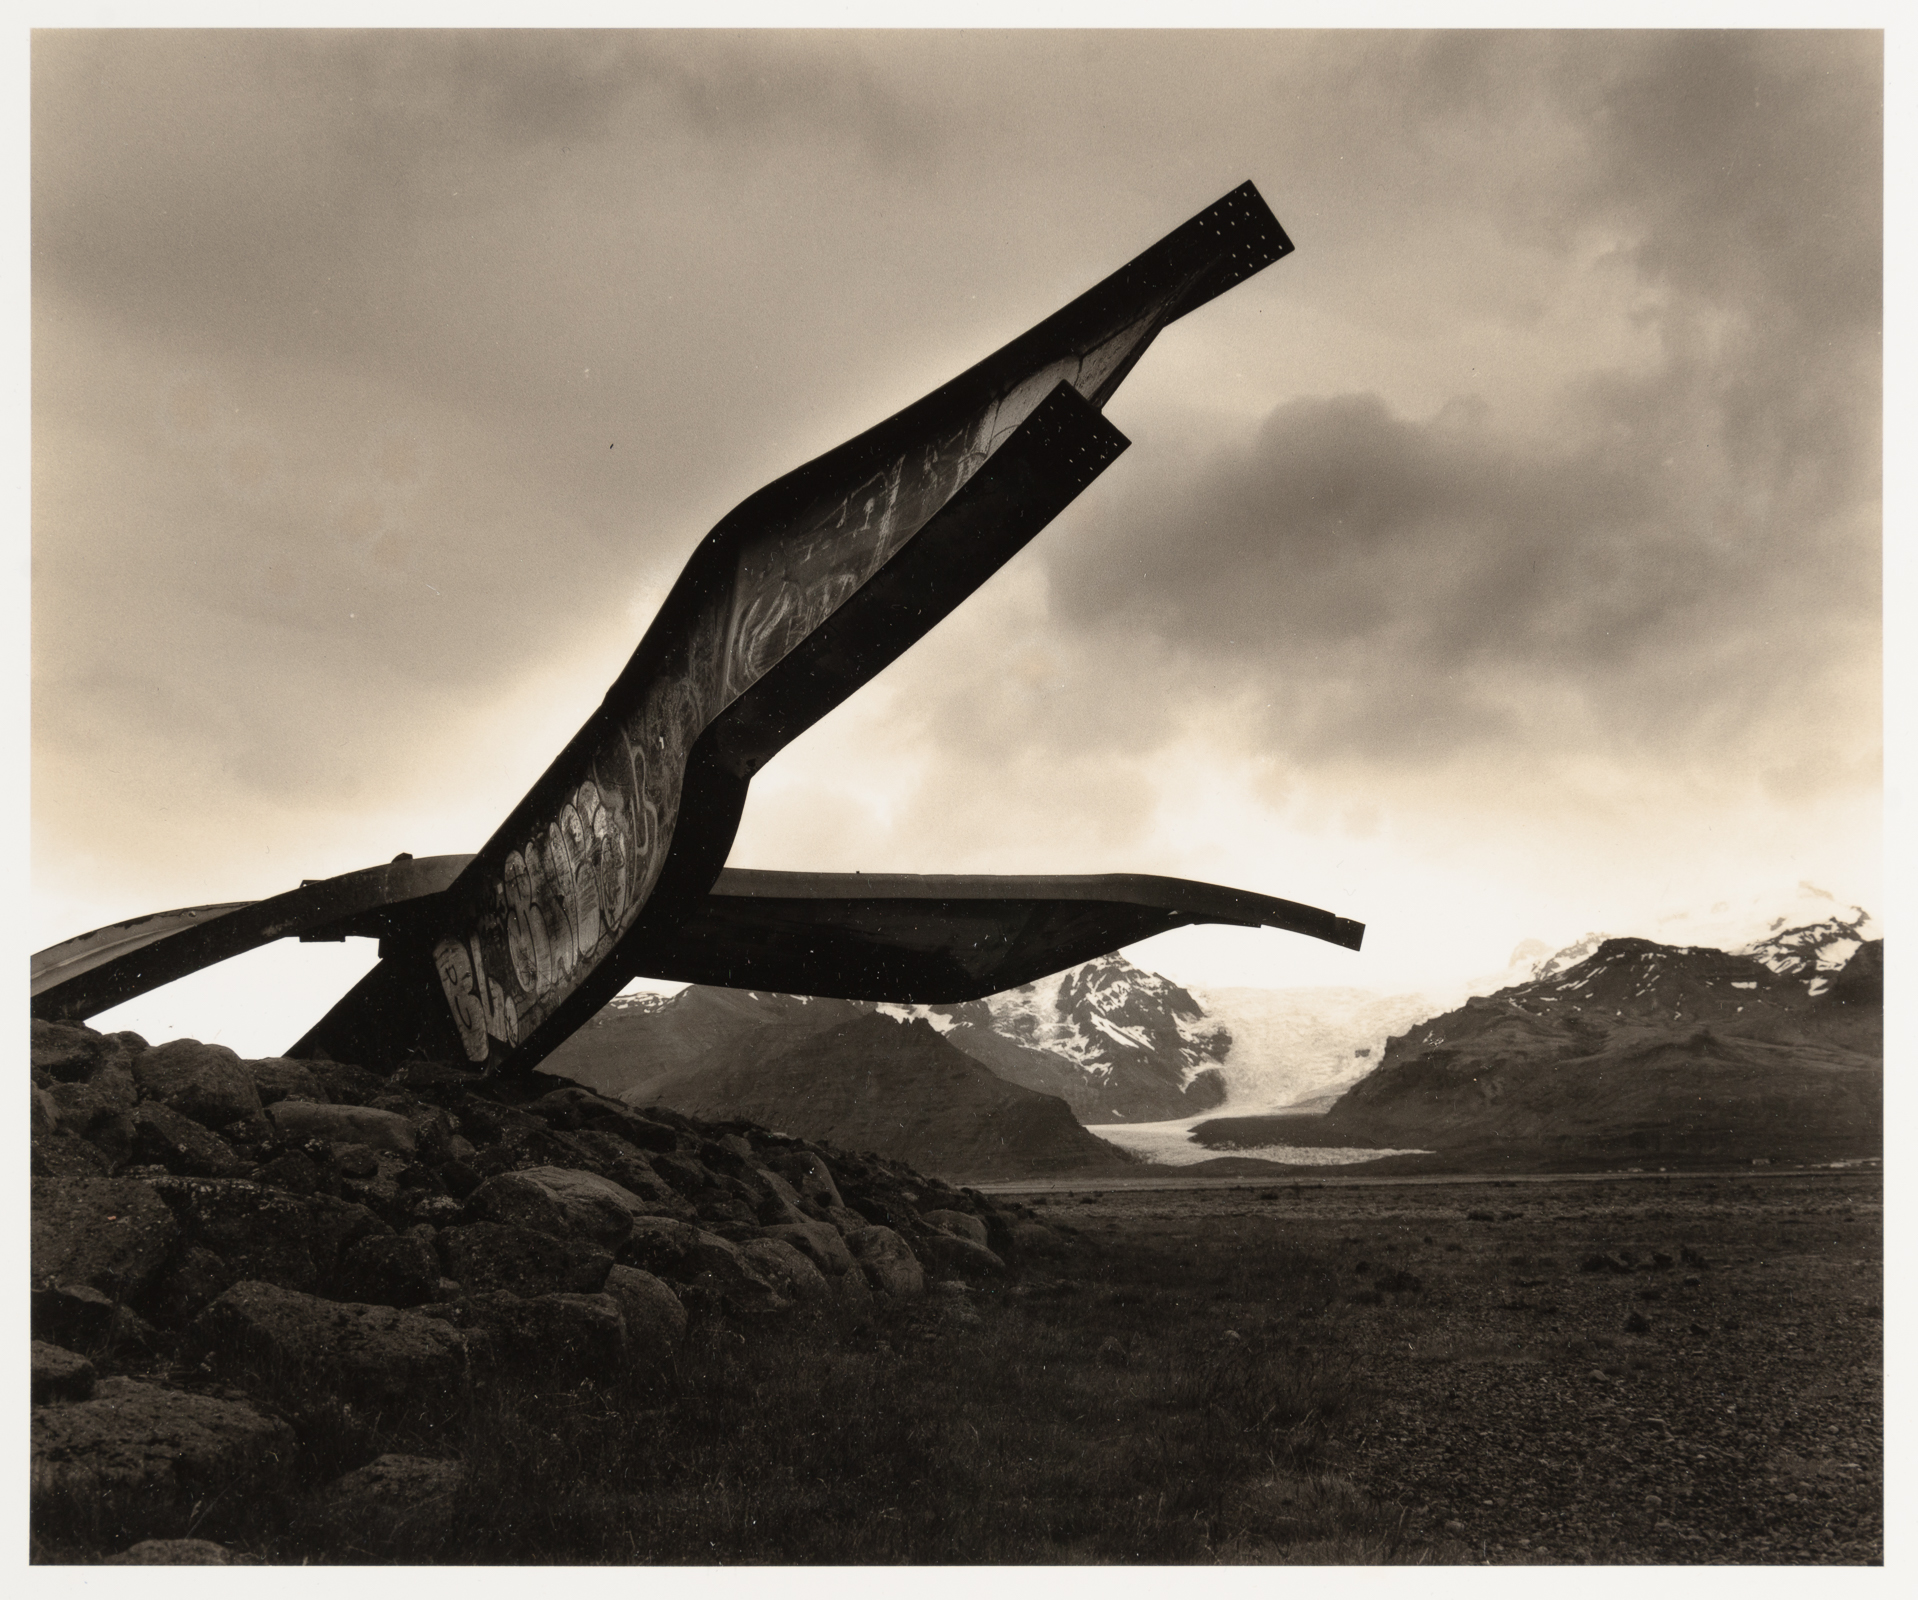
[(1640, 1048), (879, 1084), (642, 1037)]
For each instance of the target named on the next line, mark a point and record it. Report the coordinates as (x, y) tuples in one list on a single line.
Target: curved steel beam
[(611, 866), (794, 600), (96, 971), (854, 936), (931, 940)]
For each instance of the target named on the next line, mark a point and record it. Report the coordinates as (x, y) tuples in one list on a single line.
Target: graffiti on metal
[(571, 888)]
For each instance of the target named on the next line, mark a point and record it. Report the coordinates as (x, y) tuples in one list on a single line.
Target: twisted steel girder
[(610, 867)]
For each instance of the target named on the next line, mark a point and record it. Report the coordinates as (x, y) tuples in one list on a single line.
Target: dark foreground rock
[(394, 1504), (136, 1454), (345, 1250), (260, 1333)]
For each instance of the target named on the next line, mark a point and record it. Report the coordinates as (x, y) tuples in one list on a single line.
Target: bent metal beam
[(610, 867), (853, 936)]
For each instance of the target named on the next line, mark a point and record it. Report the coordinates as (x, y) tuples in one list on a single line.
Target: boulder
[(253, 1138), (787, 1270), (780, 1202), (114, 1134), (593, 1207), (959, 1258), (710, 1269), (66, 1155), (495, 1255), (292, 1170), (111, 1234), (178, 1143), (514, 1200), (854, 1295), (77, 1317), (539, 1146), (960, 1223), (1035, 1238), (394, 1506), (344, 1084), (682, 1174), (677, 1250), (887, 1261), (655, 1320), (741, 1292), (436, 1211), (810, 1176), (59, 1374), (627, 1165), (561, 1337), (846, 1220), (206, 1082), (395, 1269), (259, 1332), (190, 1285), (68, 1051), (355, 1160), (822, 1243), (570, 1107), (460, 1178), (135, 1458), (290, 1240), (46, 1115), (296, 1120), (279, 1078)]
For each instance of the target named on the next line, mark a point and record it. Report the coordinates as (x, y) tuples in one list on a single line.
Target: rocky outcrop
[(383, 1244)]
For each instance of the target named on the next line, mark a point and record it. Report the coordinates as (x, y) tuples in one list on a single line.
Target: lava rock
[(112, 1234), (398, 1269), (260, 1332), (206, 1082), (180, 1144), (60, 1374), (494, 1255), (343, 1124), (134, 1457), (887, 1261)]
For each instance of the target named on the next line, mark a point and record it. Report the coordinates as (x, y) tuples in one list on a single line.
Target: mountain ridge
[(1638, 1047)]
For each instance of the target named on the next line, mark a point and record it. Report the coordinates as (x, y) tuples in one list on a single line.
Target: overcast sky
[(1502, 565)]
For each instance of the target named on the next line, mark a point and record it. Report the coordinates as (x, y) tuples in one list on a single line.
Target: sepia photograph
[(993, 796)]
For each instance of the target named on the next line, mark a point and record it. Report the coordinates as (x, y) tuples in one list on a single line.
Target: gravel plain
[(1680, 1369)]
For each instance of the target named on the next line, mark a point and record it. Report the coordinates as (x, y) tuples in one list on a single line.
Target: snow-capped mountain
[(1804, 933), (1117, 1043), (1639, 1048), (1816, 951)]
